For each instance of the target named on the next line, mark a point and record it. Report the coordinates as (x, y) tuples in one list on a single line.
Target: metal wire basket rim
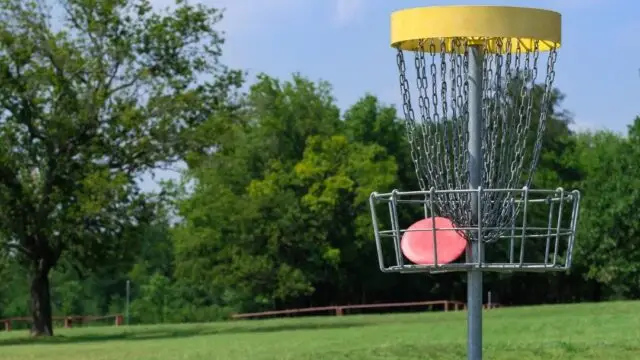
[(521, 229), (494, 267), (480, 189), (569, 197)]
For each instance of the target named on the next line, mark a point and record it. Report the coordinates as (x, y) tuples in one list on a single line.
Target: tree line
[(271, 211)]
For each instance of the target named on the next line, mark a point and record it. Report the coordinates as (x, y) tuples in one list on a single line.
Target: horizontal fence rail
[(68, 321), (340, 310)]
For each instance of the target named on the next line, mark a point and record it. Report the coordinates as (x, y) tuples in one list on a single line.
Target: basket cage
[(538, 237)]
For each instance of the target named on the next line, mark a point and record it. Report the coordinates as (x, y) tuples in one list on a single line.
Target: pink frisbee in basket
[(418, 247)]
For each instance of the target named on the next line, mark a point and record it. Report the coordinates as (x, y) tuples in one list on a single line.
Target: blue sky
[(346, 42)]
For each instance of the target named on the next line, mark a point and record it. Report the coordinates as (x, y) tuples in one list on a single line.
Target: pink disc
[(417, 243)]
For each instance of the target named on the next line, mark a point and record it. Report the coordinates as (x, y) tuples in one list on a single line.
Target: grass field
[(588, 331)]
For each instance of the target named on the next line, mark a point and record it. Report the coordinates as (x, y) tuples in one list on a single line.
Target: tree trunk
[(41, 301)]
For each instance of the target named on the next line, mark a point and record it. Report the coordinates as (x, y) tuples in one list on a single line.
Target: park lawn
[(586, 331)]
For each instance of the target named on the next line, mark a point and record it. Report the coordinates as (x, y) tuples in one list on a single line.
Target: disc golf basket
[(475, 142)]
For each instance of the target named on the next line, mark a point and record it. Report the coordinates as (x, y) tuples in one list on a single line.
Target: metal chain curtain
[(439, 139)]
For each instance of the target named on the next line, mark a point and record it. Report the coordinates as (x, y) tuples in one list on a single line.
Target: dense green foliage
[(272, 210)]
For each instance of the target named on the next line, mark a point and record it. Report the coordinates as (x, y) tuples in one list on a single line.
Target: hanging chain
[(544, 111), (409, 116)]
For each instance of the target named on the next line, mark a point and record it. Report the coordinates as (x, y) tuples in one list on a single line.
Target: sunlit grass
[(587, 331)]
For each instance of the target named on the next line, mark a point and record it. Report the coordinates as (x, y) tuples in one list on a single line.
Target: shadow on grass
[(180, 331)]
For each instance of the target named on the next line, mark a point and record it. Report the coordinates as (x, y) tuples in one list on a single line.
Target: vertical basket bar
[(474, 276), (433, 228), (523, 235), (376, 231), (549, 226), (559, 227), (480, 236), (428, 207), (574, 223), (512, 245), (395, 225)]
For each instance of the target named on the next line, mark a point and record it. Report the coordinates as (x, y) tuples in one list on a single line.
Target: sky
[(346, 42)]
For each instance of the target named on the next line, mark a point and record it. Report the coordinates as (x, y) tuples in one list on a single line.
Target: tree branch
[(19, 248)]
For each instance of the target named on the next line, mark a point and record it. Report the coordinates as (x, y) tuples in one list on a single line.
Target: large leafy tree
[(296, 235), (337, 177), (607, 247), (279, 215), (89, 103), (258, 153)]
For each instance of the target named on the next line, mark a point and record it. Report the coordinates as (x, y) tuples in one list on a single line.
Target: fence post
[(119, 320), (128, 300)]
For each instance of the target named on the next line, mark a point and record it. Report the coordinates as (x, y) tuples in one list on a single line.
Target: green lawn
[(591, 331)]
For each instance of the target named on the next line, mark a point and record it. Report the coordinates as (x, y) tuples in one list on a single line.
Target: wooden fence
[(339, 310), (68, 321)]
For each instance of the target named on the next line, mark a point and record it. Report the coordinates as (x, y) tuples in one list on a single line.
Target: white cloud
[(347, 10)]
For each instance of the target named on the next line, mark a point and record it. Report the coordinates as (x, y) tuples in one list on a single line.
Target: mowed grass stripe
[(582, 331)]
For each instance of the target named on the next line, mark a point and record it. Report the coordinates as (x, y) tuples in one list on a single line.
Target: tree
[(250, 226), (297, 233), (278, 118), (607, 246), (338, 177), (86, 111), (370, 122)]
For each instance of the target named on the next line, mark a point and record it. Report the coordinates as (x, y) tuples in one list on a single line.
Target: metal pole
[(127, 301), (474, 277)]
